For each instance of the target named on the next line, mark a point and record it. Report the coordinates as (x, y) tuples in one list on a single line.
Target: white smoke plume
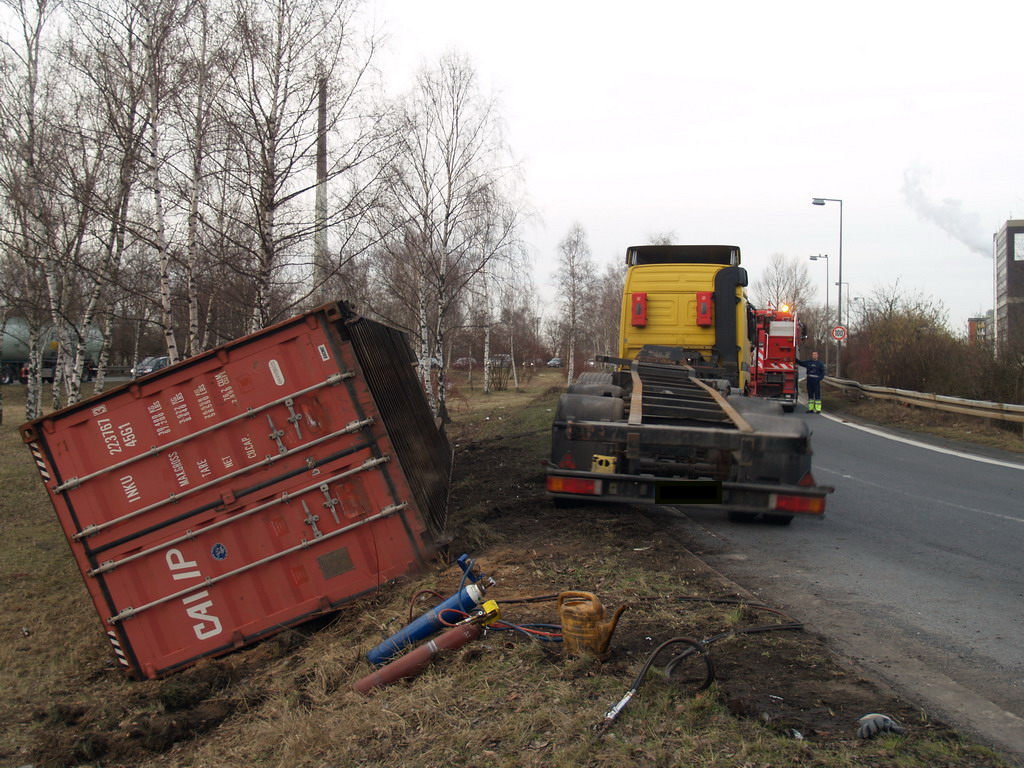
[(948, 215)]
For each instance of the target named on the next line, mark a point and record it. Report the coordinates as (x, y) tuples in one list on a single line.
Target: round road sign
[(839, 333)]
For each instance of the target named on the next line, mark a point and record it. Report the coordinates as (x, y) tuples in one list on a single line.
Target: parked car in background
[(464, 362), (501, 361), (555, 362), (150, 364)]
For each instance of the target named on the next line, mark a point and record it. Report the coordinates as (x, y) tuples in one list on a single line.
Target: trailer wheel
[(742, 517), (594, 377), (561, 503), (6, 375), (778, 519)]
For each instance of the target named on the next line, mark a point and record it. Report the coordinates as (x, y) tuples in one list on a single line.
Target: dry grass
[(501, 701)]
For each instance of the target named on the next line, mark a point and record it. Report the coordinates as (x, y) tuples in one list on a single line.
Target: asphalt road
[(915, 571)]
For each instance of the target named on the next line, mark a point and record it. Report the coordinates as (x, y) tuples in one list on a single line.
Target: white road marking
[(926, 446), (943, 502)]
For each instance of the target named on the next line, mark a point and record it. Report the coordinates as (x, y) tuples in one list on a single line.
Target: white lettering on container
[(127, 435), (131, 491), (226, 390), (181, 412), (227, 461), (204, 468), (200, 612), (250, 449), (109, 436), (205, 402), (207, 625), (160, 423), (178, 467), (177, 562)]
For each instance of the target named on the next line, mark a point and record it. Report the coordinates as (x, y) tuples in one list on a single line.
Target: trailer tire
[(594, 377), (601, 390), (587, 407), (742, 517), (560, 503), (6, 375), (778, 519)]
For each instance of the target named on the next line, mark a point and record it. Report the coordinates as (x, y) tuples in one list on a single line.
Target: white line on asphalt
[(918, 497), (937, 449)]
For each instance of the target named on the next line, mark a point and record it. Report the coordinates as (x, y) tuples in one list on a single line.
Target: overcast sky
[(720, 121)]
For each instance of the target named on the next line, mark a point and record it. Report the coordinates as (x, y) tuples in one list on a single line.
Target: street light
[(863, 308), (828, 317), (847, 296), (839, 346)]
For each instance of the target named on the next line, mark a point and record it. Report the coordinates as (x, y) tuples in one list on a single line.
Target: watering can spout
[(608, 628)]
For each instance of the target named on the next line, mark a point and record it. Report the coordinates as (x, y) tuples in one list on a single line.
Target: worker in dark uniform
[(815, 373)]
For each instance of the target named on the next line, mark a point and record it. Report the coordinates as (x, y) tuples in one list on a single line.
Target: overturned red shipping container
[(245, 490)]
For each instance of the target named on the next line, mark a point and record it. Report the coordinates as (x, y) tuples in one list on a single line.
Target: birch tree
[(458, 199), (576, 287), (27, 93), (287, 49)]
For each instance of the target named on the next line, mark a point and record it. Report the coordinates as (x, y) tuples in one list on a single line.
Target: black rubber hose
[(670, 667), (694, 646)]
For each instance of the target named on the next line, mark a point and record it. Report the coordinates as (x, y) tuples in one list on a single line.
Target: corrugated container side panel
[(386, 360), (258, 485)]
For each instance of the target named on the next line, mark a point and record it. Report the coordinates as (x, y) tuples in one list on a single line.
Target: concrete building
[(981, 330), (1008, 282)]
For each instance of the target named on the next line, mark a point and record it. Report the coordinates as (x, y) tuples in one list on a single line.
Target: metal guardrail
[(983, 409)]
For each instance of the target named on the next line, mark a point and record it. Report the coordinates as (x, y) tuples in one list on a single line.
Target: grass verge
[(778, 698)]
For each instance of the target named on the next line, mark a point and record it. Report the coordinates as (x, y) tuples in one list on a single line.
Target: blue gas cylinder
[(465, 600)]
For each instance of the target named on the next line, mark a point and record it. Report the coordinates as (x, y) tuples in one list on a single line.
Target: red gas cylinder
[(419, 658)]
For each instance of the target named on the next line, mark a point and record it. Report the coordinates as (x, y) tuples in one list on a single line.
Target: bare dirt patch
[(788, 680)]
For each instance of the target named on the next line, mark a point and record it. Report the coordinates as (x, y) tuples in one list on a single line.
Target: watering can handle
[(581, 596)]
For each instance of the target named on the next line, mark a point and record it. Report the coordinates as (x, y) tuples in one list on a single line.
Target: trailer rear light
[(583, 485), (809, 505)]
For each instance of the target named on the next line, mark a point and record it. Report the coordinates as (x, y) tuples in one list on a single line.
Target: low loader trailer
[(670, 424)]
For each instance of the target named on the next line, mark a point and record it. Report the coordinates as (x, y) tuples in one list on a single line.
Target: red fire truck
[(773, 370)]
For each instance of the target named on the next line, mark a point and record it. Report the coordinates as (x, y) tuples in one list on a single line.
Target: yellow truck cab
[(691, 297)]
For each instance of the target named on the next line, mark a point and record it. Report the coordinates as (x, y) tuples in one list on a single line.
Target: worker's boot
[(817, 406)]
